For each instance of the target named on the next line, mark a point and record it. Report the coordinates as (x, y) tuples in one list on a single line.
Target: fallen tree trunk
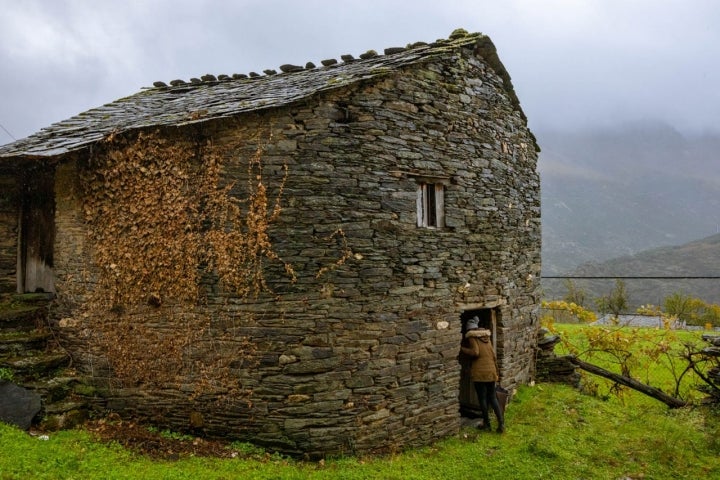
[(658, 394)]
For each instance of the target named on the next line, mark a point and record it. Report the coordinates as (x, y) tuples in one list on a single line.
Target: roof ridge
[(458, 36)]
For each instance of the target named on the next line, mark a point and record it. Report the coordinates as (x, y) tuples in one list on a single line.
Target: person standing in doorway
[(483, 371)]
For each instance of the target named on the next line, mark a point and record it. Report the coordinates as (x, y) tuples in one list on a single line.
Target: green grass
[(170, 434), (6, 374), (554, 432), (660, 372)]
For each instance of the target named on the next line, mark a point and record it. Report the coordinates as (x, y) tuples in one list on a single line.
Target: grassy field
[(554, 432), (652, 355)]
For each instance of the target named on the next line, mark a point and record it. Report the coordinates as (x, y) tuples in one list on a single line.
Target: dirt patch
[(159, 445)]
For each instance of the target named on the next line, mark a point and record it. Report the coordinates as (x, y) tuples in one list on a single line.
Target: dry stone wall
[(362, 357), (74, 274)]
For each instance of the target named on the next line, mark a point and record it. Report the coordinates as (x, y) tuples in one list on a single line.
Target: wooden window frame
[(431, 204)]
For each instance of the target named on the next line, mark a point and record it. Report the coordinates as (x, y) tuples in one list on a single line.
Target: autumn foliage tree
[(615, 302), (692, 310)]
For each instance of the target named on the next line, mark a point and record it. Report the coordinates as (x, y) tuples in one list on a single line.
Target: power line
[(634, 277), (6, 131)]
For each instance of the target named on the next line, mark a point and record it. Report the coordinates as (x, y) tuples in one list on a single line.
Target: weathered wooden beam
[(653, 392)]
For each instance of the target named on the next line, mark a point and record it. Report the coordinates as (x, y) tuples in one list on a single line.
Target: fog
[(574, 64)]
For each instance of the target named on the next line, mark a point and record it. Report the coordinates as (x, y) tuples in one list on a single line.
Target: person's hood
[(482, 334)]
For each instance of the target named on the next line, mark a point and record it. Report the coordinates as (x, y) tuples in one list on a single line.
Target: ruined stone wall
[(9, 215), (362, 357)]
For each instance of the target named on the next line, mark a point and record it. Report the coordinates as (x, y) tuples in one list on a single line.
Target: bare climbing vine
[(161, 222), (338, 236), (238, 238), (159, 217)]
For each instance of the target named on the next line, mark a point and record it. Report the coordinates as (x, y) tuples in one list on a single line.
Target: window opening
[(431, 205)]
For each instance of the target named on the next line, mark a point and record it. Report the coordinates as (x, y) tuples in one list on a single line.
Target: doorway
[(469, 404), (37, 231)]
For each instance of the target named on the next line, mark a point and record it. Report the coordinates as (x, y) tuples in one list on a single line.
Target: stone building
[(411, 203)]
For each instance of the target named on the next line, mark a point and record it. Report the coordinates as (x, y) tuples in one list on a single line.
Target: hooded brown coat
[(484, 366)]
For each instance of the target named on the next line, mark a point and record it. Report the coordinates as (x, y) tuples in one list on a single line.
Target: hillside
[(697, 258), (615, 192)]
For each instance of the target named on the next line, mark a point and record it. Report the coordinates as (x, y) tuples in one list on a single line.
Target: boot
[(486, 424), (501, 428)]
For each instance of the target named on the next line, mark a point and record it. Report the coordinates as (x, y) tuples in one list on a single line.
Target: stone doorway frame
[(490, 315)]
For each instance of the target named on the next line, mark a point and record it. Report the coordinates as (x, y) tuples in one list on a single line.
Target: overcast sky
[(573, 63)]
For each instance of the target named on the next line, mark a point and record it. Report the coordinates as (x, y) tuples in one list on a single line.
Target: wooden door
[(37, 232)]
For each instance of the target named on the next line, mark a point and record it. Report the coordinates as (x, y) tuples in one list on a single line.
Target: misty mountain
[(616, 192), (693, 259)]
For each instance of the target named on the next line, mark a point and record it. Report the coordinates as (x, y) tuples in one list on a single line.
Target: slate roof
[(200, 100)]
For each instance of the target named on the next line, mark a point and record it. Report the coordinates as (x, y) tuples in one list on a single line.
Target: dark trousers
[(487, 397)]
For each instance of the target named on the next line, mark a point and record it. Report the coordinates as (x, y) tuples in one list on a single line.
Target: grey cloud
[(572, 63)]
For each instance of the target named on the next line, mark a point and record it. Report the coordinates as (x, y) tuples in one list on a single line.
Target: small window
[(431, 205)]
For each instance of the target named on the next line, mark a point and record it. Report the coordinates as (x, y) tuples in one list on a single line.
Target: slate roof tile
[(164, 105)]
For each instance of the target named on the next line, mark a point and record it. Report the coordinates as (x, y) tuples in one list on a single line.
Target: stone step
[(20, 342), (36, 365), (33, 298), (22, 317), (64, 414), (64, 406), (53, 389)]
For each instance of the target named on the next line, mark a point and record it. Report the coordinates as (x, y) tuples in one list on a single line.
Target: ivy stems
[(160, 217), (158, 213), (163, 218)]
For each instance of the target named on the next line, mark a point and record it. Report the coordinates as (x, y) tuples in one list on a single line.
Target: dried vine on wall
[(239, 243), (160, 221), (159, 214)]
